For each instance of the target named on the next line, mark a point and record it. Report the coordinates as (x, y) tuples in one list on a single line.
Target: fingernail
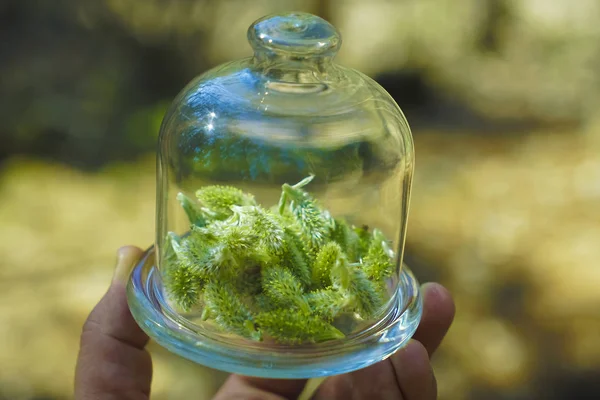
[(434, 288), (126, 259)]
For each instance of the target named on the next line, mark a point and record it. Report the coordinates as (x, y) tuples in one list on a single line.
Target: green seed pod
[(292, 326), (229, 311)]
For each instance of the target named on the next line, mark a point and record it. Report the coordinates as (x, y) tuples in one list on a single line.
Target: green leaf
[(172, 250), (304, 182), (192, 209)]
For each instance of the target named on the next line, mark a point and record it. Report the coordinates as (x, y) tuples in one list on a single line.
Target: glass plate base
[(177, 334)]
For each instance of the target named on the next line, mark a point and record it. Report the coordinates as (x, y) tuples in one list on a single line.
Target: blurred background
[(503, 98)]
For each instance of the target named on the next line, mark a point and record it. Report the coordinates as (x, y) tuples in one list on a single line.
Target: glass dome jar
[(283, 188)]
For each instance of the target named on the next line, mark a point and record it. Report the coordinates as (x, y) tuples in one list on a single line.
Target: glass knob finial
[(296, 33)]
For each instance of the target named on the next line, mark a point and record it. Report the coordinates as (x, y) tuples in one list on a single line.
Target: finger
[(411, 364), (243, 387), (397, 372), (112, 361), (377, 381), (438, 314), (111, 316), (287, 388), (414, 373), (341, 387)]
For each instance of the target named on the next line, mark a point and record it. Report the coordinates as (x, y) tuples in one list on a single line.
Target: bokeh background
[(503, 97)]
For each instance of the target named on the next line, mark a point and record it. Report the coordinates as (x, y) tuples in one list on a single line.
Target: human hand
[(113, 362)]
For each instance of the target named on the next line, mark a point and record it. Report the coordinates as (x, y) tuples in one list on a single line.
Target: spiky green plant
[(288, 273)]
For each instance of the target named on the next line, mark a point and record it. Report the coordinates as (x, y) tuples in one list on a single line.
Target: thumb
[(242, 387), (112, 361)]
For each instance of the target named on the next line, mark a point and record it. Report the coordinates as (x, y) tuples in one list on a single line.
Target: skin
[(114, 364)]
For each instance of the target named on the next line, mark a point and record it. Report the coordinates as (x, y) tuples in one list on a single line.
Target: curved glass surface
[(283, 191)]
